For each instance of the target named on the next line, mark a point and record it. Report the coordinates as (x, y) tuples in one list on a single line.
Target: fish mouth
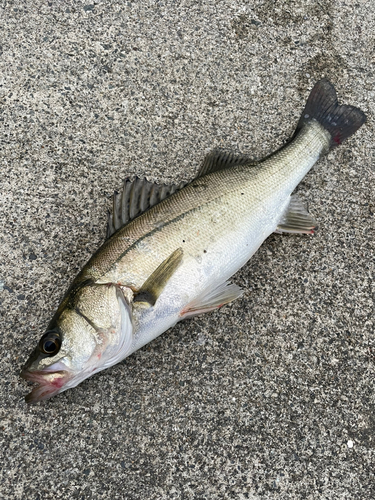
[(49, 383)]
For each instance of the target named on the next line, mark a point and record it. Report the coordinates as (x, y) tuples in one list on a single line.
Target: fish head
[(80, 344), (44, 367), (63, 357)]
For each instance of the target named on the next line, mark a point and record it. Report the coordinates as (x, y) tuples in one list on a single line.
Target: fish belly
[(209, 266)]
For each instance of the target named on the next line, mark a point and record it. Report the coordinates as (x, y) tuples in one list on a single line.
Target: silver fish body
[(221, 218), (174, 260)]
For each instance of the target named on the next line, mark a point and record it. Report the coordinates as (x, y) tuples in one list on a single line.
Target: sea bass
[(172, 249)]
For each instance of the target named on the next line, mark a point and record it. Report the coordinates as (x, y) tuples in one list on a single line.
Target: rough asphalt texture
[(269, 398)]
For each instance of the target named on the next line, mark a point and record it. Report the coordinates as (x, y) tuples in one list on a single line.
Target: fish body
[(222, 217), (170, 257)]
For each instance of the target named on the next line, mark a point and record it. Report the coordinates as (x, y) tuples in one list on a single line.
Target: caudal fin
[(341, 121)]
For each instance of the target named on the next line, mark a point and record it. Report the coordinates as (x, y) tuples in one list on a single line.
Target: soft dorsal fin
[(221, 160), (136, 197)]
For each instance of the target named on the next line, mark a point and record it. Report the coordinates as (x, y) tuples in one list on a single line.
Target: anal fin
[(296, 219), (212, 299)]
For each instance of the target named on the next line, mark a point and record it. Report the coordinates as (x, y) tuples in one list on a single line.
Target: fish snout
[(49, 383)]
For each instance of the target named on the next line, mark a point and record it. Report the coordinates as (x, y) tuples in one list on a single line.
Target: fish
[(171, 249)]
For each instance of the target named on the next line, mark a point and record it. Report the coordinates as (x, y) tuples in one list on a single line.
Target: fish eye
[(50, 343)]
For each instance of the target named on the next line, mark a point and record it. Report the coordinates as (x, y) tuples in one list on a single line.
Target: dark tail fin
[(340, 121)]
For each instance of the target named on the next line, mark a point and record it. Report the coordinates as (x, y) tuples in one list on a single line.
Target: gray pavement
[(269, 398)]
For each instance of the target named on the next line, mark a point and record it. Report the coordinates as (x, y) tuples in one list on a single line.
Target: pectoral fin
[(296, 219), (154, 285)]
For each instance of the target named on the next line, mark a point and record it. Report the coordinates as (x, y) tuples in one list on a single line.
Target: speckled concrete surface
[(271, 397)]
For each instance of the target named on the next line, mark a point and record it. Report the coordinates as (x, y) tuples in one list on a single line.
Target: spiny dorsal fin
[(154, 285), (296, 219), (139, 195), (136, 197), (221, 160)]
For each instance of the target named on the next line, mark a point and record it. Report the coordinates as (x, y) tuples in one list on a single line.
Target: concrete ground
[(269, 398)]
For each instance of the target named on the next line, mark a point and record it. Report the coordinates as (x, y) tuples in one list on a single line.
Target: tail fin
[(340, 121)]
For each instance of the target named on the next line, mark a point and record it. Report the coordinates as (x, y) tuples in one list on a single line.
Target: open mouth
[(49, 383)]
